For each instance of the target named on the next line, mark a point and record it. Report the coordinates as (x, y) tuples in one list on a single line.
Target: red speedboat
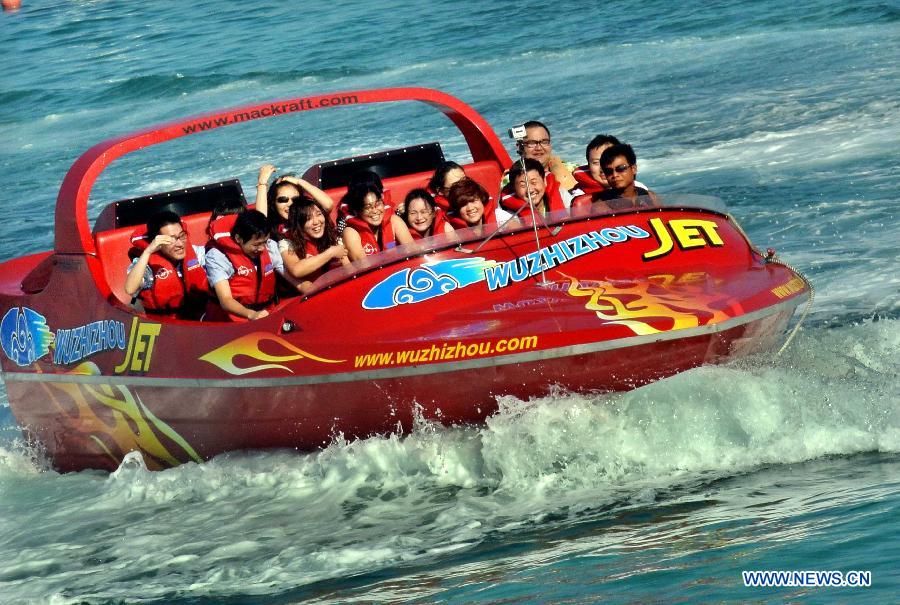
[(587, 301)]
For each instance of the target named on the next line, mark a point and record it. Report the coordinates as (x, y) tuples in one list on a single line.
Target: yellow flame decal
[(249, 346), (121, 423), (635, 304)]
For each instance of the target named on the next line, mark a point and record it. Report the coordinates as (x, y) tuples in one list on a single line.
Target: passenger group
[(291, 237)]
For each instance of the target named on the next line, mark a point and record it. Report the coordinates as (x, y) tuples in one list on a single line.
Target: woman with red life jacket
[(310, 246), (422, 216), (275, 201), (530, 183), (590, 176), (372, 226), (471, 205), (443, 178), (166, 271), (241, 270)]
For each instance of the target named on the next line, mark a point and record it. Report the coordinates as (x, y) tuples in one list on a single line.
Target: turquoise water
[(788, 112)]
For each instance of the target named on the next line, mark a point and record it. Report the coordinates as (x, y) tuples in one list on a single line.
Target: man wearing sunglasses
[(619, 165)]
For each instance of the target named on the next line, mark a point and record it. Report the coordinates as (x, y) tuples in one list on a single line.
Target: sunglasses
[(281, 199), (620, 169)]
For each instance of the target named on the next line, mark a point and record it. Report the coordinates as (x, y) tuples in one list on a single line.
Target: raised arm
[(317, 194), (136, 273), (262, 188)]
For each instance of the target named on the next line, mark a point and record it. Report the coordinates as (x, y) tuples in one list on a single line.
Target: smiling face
[(373, 210), (175, 251), (420, 215), (314, 227), (594, 164), (472, 211), (536, 185), (286, 195)]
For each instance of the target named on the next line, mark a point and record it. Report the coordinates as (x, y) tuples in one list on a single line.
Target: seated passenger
[(241, 267), (530, 180), (619, 165), (590, 176), (372, 226), (537, 145), (310, 246), (166, 271), (422, 216), (275, 201), (443, 178), (360, 178), (471, 205)]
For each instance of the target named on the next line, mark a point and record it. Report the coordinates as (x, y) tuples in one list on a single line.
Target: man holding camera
[(533, 142)]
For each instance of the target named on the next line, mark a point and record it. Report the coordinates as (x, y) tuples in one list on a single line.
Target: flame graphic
[(116, 421), (249, 346), (681, 299)]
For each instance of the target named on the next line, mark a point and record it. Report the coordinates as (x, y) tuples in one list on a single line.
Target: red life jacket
[(252, 288), (184, 296), (510, 202), (437, 226), (442, 202), (372, 243), (586, 181), (313, 250)]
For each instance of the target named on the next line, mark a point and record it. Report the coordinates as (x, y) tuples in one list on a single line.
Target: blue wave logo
[(425, 282), (24, 335)]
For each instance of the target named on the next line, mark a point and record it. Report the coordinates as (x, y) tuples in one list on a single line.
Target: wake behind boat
[(588, 300)]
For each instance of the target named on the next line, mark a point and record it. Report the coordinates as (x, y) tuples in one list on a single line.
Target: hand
[(257, 315), (265, 173), (159, 241), (338, 251)]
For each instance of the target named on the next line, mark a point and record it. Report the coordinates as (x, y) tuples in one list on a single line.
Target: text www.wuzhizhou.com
[(446, 352)]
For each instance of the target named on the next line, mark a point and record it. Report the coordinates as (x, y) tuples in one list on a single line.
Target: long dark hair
[(298, 216), (272, 216), (436, 183)]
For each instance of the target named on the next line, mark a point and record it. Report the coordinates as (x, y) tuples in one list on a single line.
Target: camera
[(517, 132)]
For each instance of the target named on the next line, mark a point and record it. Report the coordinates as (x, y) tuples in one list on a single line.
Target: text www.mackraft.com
[(274, 109), (446, 352)]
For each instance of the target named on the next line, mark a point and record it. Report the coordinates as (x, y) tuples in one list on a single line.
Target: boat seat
[(113, 246)]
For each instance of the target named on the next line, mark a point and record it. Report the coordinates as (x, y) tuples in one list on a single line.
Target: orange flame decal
[(683, 301), (117, 421), (249, 346)]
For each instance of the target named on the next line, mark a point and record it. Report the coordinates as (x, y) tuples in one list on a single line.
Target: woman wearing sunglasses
[(275, 202), (619, 165)]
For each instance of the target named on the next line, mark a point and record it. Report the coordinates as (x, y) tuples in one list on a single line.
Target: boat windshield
[(471, 238)]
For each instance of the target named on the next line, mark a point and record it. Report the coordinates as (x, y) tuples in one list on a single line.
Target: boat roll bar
[(73, 233)]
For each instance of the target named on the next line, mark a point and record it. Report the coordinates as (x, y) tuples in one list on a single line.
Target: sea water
[(787, 111)]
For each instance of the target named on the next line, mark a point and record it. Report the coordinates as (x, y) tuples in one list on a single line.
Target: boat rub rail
[(445, 352)]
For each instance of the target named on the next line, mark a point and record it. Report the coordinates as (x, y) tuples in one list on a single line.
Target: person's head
[(168, 223), (537, 145), (365, 201), (444, 177), (366, 177), (529, 179), (468, 198), (619, 165), (282, 195), (310, 222), (595, 149), (418, 210), (250, 232)]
